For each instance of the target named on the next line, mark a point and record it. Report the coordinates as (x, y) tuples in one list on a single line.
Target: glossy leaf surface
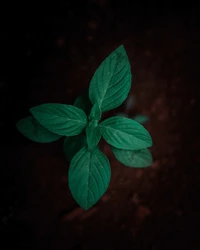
[(111, 82), (60, 119), (89, 176), (134, 158), (125, 133)]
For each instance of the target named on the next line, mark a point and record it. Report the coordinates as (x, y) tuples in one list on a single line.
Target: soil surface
[(50, 55)]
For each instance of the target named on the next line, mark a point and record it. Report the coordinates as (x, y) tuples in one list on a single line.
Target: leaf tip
[(121, 49), (85, 207), (121, 46), (31, 110)]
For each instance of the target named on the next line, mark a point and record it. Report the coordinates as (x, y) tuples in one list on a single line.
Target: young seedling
[(89, 172)]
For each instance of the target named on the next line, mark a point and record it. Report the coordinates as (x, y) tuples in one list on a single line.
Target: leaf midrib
[(56, 116), (111, 77), (101, 126)]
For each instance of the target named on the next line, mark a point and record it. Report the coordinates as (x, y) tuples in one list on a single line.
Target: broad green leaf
[(60, 119), (142, 119), (93, 135), (111, 82), (83, 102), (133, 158), (30, 128), (125, 133), (95, 113), (89, 176), (73, 144)]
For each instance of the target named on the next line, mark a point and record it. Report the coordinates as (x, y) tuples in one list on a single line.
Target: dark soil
[(50, 55)]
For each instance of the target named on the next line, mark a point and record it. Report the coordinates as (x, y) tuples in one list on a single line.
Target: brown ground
[(52, 59)]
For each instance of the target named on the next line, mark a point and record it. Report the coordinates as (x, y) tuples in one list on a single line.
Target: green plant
[(89, 172)]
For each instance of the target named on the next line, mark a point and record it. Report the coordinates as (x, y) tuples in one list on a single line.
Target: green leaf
[(133, 158), (60, 119), (111, 82), (125, 133), (89, 177), (83, 102), (73, 144), (93, 136), (142, 119), (95, 113), (31, 129)]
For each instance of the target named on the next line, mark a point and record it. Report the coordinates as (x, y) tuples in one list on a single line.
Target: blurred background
[(48, 53)]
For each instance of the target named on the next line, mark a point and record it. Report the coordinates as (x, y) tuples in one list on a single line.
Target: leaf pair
[(51, 121), (121, 133), (34, 131)]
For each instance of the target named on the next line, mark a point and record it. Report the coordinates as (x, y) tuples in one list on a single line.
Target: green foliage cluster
[(89, 172)]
